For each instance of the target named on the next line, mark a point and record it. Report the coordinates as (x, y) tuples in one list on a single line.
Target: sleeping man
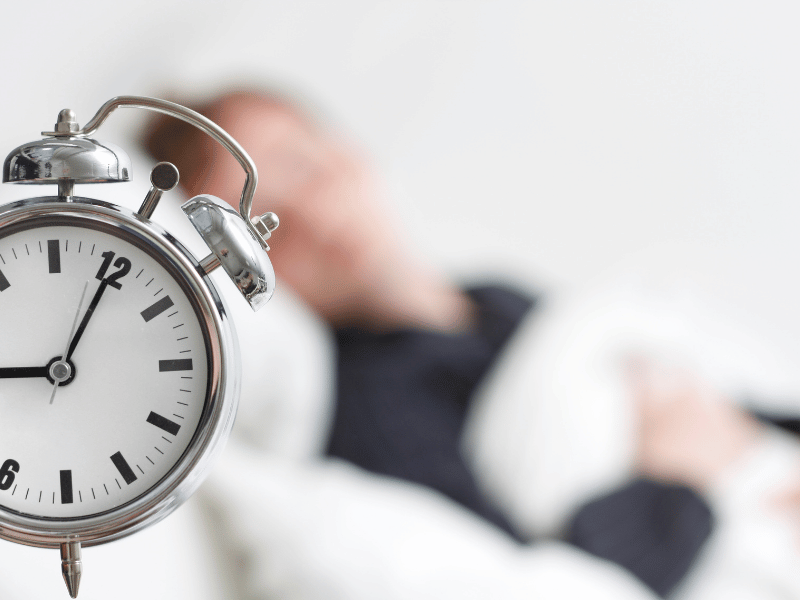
[(477, 446)]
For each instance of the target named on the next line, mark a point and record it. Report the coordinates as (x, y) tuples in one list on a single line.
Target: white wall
[(564, 141)]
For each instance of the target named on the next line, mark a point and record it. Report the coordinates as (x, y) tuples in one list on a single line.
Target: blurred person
[(414, 348)]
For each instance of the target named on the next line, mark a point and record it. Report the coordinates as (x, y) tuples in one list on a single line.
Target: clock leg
[(71, 566)]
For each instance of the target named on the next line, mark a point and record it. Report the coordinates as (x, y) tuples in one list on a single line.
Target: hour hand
[(17, 372)]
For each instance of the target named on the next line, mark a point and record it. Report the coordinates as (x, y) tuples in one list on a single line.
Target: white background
[(558, 142)]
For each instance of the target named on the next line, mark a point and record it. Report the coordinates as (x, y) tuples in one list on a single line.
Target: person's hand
[(339, 247), (688, 432), (787, 502)]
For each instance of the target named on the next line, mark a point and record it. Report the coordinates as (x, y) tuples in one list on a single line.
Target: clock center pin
[(60, 371)]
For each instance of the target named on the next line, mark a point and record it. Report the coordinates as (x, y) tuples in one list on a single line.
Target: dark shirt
[(403, 397)]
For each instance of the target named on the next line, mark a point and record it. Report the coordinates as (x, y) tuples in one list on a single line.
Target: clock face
[(104, 369)]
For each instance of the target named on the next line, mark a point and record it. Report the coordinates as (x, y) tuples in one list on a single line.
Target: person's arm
[(688, 436)]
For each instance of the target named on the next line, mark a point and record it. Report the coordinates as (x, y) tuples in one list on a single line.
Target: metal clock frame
[(221, 400)]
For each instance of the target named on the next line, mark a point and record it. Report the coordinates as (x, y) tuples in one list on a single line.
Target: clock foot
[(71, 566)]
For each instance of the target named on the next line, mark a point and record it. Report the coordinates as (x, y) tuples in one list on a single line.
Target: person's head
[(334, 233)]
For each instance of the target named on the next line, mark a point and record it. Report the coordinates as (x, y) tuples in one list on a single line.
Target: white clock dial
[(89, 430)]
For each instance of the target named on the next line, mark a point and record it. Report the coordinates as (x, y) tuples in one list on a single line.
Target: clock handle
[(260, 231)]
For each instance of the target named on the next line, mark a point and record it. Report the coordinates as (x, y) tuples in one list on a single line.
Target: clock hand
[(89, 312), (65, 366), (20, 372), (15, 372)]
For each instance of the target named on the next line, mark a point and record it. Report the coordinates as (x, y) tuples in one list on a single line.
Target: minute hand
[(85, 321)]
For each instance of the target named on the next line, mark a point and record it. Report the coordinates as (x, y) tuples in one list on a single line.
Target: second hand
[(69, 341)]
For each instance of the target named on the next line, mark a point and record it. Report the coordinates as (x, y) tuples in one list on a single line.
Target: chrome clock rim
[(222, 397)]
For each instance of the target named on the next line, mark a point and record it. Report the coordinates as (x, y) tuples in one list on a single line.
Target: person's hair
[(170, 139)]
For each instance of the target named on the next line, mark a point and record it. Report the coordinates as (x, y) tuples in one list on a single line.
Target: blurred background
[(562, 144), (559, 142)]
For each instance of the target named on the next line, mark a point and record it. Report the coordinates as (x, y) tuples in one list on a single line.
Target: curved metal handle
[(193, 118)]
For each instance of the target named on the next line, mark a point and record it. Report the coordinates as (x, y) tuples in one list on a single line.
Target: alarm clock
[(119, 365)]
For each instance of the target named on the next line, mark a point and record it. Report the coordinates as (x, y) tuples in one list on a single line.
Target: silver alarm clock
[(119, 370)]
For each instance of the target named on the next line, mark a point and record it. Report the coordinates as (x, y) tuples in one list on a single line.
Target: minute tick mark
[(149, 282)]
